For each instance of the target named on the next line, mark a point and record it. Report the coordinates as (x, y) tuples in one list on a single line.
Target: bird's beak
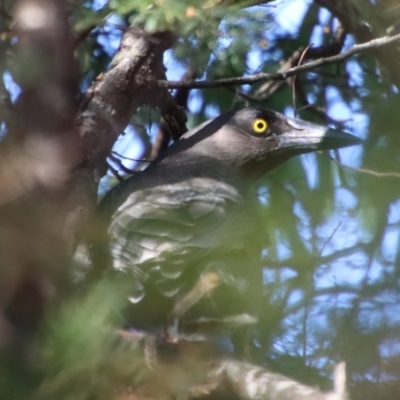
[(306, 136)]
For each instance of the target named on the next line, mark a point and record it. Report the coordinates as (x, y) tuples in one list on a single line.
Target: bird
[(184, 232)]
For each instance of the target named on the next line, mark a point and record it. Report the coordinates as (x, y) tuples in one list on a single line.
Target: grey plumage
[(189, 218)]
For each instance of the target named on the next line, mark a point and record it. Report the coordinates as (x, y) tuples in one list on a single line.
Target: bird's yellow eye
[(259, 125)]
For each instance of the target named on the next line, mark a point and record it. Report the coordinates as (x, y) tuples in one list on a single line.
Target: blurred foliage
[(332, 258), (84, 357)]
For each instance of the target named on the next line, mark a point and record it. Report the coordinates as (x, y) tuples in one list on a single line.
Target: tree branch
[(165, 133), (250, 382), (216, 377), (335, 47), (365, 170), (262, 76), (129, 83)]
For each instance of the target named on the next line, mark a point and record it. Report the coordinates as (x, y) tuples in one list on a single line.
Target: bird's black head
[(258, 140)]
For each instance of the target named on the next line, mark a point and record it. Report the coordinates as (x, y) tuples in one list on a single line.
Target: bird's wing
[(158, 232)]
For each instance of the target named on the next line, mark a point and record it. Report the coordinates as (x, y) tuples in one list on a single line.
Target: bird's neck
[(195, 165)]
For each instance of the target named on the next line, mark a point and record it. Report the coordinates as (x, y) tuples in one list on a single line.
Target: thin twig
[(330, 238), (294, 78), (115, 173), (366, 171), (129, 158), (120, 165), (262, 76)]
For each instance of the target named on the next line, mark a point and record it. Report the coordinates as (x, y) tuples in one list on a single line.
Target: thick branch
[(218, 377), (249, 382), (128, 84), (262, 76)]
